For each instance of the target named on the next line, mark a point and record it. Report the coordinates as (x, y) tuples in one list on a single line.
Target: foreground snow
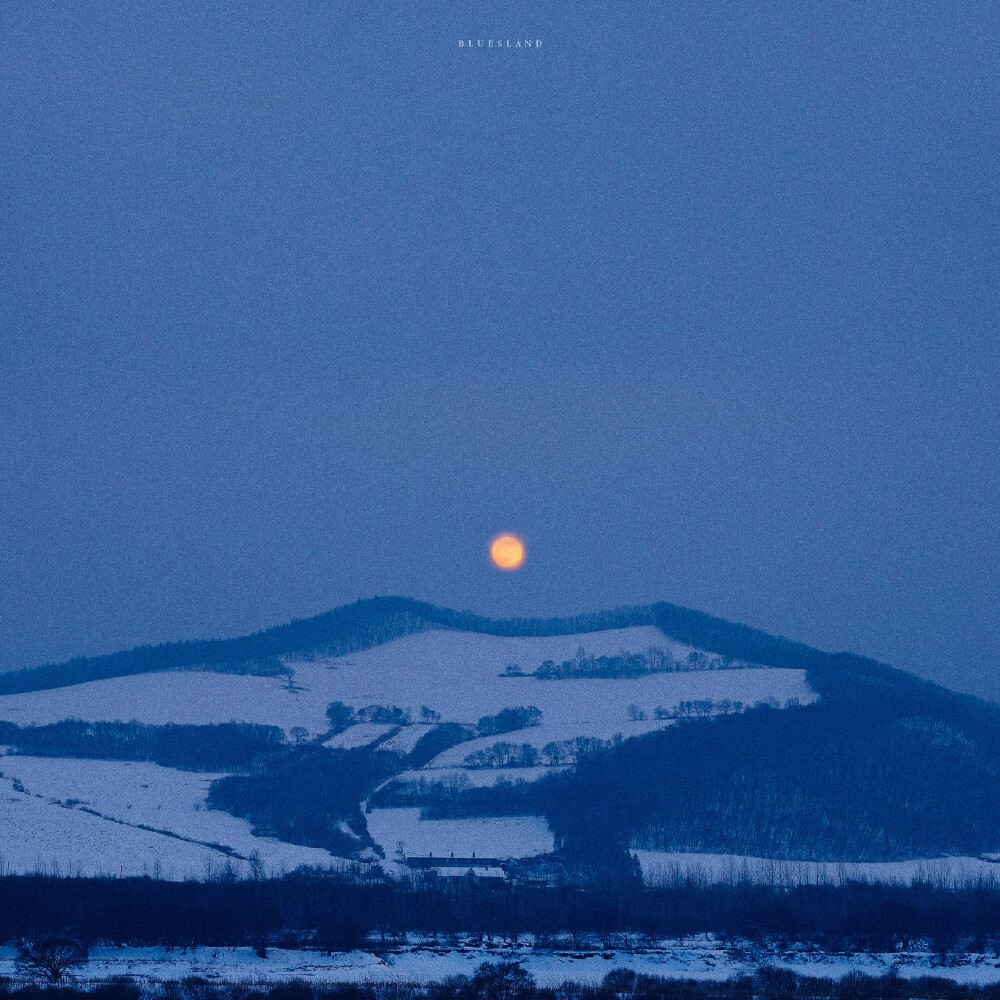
[(696, 958)]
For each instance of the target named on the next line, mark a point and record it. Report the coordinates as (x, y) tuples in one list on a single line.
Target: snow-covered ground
[(454, 673), (662, 866), (123, 818), (457, 674), (693, 958), (361, 735), (548, 732), (494, 837), (36, 836), (406, 738)]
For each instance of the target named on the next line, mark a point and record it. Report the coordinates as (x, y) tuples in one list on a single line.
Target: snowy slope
[(496, 837), (659, 867), (403, 741), (539, 736), (37, 836), (454, 673), (361, 735), (96, 816)]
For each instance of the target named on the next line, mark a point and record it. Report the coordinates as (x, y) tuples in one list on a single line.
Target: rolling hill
[(393, 725)]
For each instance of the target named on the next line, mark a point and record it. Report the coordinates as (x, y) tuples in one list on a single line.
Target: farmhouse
[(487, 869)]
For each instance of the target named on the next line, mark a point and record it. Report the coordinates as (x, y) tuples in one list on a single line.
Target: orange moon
[(507, 552)]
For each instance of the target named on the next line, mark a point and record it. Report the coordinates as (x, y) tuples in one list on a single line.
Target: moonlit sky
[(301, 303)]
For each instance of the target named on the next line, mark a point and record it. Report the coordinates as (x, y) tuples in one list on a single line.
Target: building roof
[(430, 861), (478, 871)]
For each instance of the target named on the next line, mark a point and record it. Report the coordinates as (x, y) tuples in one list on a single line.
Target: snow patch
[(454, 673), (361, 735), (665, 866), (492, 837), (127, 818)]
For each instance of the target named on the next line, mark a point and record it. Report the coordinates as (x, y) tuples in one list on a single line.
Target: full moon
[(507, 552)]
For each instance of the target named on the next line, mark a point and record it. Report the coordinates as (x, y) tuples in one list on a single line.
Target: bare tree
[(502, 981), (50, 959), (256, 863)]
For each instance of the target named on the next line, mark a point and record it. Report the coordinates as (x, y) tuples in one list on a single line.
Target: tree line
[(652, 660), (843, 779), (341, 914), (228, 746), (344, 630)]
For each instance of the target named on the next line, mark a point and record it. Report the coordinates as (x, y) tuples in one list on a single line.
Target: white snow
[(52, 824), (38, 837), (361, 735), (186, 696), (700, 958), (455, 673), (492, 837), (538, 736), (406, 739), (660, 866)]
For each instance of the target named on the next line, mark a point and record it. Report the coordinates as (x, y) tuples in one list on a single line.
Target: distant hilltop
[(376, 620)]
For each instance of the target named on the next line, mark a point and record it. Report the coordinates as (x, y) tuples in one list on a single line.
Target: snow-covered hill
[(436, 678), (97, 817), (458, 674), (109, 816)]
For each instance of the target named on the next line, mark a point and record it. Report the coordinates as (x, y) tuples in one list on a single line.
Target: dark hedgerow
[(339, 913)]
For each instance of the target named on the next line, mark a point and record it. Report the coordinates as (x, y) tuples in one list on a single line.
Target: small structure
[(544, 869), (482, 869)]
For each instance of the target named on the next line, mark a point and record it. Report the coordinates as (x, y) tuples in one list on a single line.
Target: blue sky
[(302, 303)]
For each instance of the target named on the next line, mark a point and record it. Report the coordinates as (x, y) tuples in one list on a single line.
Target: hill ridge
[(372, 621)]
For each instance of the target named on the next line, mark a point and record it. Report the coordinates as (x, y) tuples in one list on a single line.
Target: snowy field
[(391, 738), (694, 958), (132, 818), (454, 673), (664, 866), (361, 735), (403, 741), (122, 818), (38, 837), (497, 837)]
